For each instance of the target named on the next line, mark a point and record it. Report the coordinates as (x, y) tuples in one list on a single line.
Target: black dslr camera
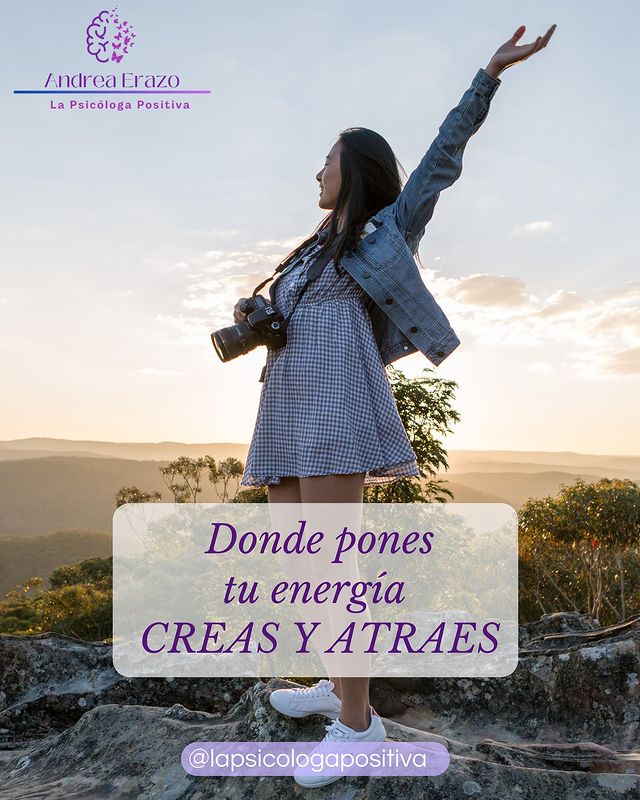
[(264, 325)]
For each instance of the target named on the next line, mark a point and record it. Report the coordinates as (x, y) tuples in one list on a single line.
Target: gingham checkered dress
[(326, 405)]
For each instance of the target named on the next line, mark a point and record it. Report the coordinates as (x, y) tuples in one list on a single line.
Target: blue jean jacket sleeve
[(442, 163)]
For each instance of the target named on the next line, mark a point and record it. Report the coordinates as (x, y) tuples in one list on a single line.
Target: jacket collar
[(373, 223)]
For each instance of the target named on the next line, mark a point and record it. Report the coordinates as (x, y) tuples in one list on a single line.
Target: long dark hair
[(370, 181)]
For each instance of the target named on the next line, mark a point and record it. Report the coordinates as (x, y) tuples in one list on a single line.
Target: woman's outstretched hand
[(510, 53)]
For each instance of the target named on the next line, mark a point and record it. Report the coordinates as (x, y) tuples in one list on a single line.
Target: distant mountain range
[(140, 451), (47, 484), (57, 496), (459, 460)]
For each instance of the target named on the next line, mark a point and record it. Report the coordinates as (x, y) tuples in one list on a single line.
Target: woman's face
[(330, 178)]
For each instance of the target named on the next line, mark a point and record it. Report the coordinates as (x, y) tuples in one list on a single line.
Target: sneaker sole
[(298, 714), (330, 778)]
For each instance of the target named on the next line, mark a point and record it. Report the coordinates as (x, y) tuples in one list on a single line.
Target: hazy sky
[(126, 238)]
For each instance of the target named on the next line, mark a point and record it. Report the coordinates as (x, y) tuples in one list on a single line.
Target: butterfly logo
[(105, 36)]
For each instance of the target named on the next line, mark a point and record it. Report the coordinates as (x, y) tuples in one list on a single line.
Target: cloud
[(232, 260), (182, 329), (286, 244), (624, 362), (215, 282), (245, 284), (595, 335), (541, 226), (616, 319), (214, 254), (628, 292), (561, 302), (490, 290)]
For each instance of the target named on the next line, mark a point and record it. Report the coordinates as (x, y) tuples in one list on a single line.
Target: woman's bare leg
[(288, 491), (354, 692)]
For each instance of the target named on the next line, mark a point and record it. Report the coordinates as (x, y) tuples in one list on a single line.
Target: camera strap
[(313, 272)]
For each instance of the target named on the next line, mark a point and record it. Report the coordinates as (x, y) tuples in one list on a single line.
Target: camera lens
[(219, 346), (264, 325), (236, 340)]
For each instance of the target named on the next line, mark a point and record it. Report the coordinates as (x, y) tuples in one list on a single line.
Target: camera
[(264, 325)]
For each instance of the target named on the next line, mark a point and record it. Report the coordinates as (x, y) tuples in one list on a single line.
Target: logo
[(109, 38)]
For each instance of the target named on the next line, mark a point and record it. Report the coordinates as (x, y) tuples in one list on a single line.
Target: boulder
[(565, 724), (133, 751), (574, 681), (48, 681)]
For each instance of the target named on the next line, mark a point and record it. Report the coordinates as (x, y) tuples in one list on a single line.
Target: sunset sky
[(126, 238)]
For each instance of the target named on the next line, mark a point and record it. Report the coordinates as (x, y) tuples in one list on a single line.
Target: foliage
[(92, 570), (579, 549), (183, 476), (17, 611), (226, 472), (22, 556), (78, 604), (424, 406), (254, 494), (131, 494)]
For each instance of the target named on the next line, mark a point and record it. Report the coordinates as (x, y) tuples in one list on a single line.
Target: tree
[(577, 542), (91, 570), (17, 611), (424, 405), (131, 494), (254, 494), (228, 470), (83, 611), (78, 602), (183, 475)]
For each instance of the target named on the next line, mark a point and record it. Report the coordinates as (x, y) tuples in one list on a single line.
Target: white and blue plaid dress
[(326, 405)]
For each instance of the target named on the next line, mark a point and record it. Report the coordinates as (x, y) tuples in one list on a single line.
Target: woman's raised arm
[(441, 165)]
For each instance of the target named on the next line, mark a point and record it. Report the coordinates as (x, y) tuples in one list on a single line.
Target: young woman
[(327, 422)]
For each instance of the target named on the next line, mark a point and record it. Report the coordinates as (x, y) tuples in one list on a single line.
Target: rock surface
[(578, 682), (48, 681), (564, 725)]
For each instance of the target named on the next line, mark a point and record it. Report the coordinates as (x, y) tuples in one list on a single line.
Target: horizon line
[(246, 444)]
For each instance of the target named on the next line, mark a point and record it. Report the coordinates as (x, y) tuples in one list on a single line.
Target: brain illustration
[(108, 37)]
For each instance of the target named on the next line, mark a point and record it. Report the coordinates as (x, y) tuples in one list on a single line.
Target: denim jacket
[(404, 314)]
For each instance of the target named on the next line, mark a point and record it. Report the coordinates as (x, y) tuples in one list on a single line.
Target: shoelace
[(335, 733), (321, 688)]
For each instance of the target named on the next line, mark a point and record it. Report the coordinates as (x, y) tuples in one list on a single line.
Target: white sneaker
[(317, 699), (339, 732)]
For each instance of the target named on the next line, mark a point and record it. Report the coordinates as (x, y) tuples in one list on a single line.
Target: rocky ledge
[(564, 725)]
